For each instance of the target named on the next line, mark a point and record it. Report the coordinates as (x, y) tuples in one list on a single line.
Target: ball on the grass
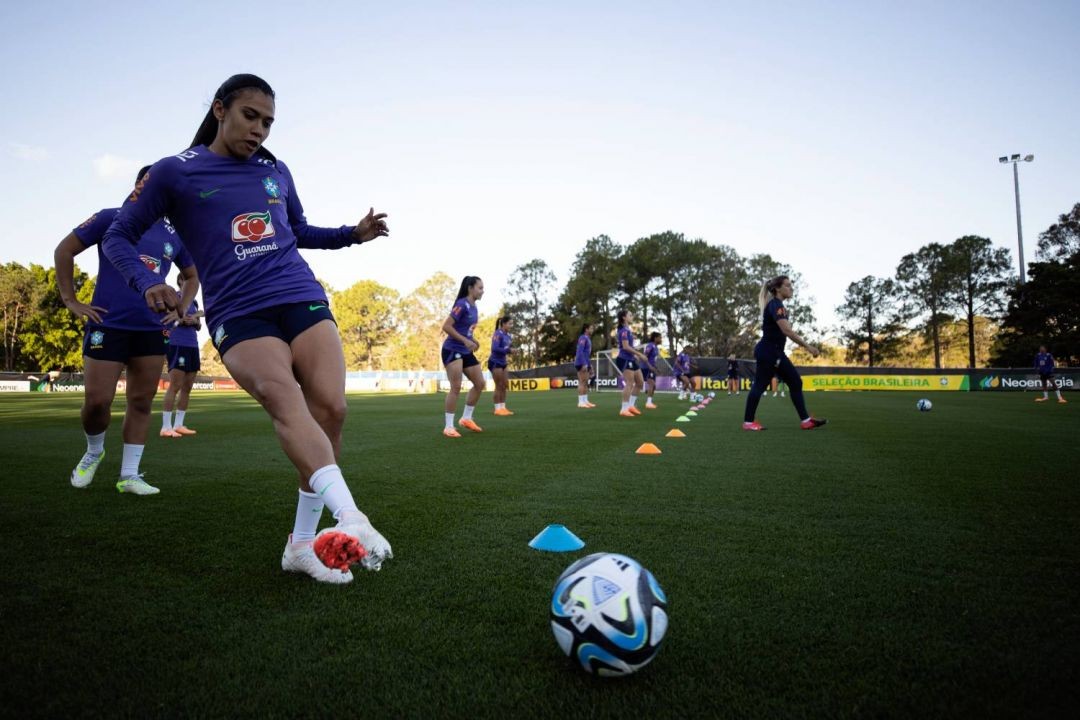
[(924, 405), (608, 614)]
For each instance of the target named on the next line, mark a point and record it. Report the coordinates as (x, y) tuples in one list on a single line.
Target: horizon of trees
[(948, 305)]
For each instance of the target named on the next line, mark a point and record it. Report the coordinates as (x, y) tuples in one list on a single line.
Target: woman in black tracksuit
[(771, 358)]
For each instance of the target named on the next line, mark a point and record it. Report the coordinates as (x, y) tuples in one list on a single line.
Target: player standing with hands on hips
[(268, 316), (770, 355)]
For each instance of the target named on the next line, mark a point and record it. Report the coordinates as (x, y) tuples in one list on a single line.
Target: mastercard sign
[(252, 227)]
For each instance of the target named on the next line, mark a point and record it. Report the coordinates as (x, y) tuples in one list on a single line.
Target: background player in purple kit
[(583, 365), (629, 361), (267, 314), (121, 332), (732, 375), (771, 358), (500, 348), (182, 360), (1044, 365), (457, 355), (681, 370), (648, 370)]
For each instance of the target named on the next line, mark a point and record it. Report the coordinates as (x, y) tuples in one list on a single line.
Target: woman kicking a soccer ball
[(236, 204), (771, 358)]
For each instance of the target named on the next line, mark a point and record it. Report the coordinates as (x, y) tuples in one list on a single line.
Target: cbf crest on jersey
[(96, 338), (270, 185), (168, 251)]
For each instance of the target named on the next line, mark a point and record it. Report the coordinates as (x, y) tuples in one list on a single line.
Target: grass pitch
[(894, 563)]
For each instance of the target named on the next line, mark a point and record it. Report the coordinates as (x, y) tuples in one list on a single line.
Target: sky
[(835, 136)]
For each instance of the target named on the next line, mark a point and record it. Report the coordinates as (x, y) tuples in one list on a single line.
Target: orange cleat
[(650, 406), (503, 412), (1062, 401), (590, 405), (451, 432), (169, 434), (470, 425), (184, 430), (1041, 399), (626, 413), (754, 426), (634, 410)]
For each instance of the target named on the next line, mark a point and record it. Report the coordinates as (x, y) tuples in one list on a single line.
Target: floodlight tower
[(1015, 160)]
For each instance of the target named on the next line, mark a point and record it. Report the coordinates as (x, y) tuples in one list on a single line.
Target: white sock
[(308, 513), (95, 444), (625, 405), (449, 420), (1058, 394), (467, 415), (129, 465), (1046, 395), (166, 419), (633, 400), (586, 396), (500, 406), (329, 484), (180, 417), (581, 400)]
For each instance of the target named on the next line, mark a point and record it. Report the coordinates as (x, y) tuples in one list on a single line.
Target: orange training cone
[(648, 449), (676, 433)]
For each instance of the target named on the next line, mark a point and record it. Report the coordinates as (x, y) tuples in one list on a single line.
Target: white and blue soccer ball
[(712, 394), (924, 405), (608, 614)]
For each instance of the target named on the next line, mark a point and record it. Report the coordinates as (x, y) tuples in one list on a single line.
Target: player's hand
[(813, 350), (371, 227), (161, 298), (82, 310), (472, 345)]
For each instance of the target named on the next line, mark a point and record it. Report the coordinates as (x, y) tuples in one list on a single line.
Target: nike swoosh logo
[(207, 193), (313, 308)]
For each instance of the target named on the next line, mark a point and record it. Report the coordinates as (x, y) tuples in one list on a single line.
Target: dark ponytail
[(502, 321), (654, 337), (585, 327), (621, 317), (228, 92), (466, 283)]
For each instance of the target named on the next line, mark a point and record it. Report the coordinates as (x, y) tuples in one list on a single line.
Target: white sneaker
[(300, 557), (136, 486), (378, 549), (83, 474)]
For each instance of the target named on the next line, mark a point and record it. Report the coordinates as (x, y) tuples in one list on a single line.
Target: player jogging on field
[(681, 370), (458, 357), (770, 355), (183, 364), (1044, 364), (501, 347), (121, 333), (267, 314), (583, 365)]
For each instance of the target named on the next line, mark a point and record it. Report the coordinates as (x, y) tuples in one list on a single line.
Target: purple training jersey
[(682, 364), (465, 318), (185, 335), (652, 352), (1044, 363), (624, 339), (500, 344), (245, 224), (584, 351), (156, 250)]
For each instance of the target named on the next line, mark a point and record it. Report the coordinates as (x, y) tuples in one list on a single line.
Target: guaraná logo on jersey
[(252, 227), (271, 187), (151, 262)]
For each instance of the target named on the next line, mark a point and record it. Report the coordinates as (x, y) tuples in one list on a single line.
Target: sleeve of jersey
[(309, 236), (93, 230), (148, 202), (776, 310), (183, 258)]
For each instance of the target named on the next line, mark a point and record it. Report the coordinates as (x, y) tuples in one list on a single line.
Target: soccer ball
[(924, 405), (608, 614), (712, 394)]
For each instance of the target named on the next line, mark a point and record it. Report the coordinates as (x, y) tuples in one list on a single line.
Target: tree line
[(941, 297)]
